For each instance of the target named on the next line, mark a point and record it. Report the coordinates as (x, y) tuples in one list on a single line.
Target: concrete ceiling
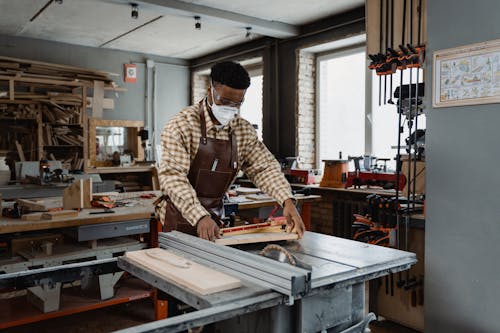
[(164, 27)]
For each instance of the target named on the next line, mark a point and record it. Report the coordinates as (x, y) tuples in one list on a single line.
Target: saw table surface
[(333, 260)]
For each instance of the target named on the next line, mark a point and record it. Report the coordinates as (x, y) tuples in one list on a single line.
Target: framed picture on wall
[(467, 75)]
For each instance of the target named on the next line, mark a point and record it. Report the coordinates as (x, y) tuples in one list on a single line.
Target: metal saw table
[(335, 301)]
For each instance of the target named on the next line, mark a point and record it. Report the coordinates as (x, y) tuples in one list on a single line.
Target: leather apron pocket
[(210, 184)]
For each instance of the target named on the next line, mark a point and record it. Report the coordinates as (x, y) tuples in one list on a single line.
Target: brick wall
[(306, 110), (199, 84)]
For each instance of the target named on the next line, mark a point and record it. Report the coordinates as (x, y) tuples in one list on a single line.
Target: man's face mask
[(223, 113)]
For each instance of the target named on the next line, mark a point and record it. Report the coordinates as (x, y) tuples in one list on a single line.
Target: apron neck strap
[(234, 151), (203, 122)]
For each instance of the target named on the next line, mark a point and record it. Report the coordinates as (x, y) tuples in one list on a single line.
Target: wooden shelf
[(18, 118), (18, 311), (63, 146)]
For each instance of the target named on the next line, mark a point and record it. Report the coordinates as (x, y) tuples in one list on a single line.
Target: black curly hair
[(231, 74)]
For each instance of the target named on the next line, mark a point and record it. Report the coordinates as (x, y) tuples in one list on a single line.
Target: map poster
[(467, 75)]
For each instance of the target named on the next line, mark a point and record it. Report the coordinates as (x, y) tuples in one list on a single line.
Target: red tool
[(382, 179)]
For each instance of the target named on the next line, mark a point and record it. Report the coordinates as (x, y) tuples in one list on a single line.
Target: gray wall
[(172, 75), (462, 269)]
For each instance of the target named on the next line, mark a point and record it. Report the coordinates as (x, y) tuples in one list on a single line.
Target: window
[(251, 109), (346, 123), (341, 104)]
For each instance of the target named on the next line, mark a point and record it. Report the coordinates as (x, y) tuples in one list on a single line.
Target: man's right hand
[(208, 229)]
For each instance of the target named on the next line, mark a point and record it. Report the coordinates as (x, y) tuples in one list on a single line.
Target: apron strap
[(203, 123), (234, 151)]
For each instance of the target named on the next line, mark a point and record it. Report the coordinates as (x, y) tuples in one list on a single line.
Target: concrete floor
[(132, 314)]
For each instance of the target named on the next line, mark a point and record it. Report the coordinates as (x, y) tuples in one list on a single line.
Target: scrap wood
[(59, 214), (103, 201)]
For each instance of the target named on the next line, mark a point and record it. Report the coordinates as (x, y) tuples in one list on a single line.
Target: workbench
[(90, 259), (335, 301)]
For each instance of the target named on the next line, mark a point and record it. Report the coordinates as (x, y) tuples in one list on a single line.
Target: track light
[(249, 32), (135, 11), (197, 24)]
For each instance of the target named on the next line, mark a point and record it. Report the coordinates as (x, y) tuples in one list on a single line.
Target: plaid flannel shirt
[(180, 139)]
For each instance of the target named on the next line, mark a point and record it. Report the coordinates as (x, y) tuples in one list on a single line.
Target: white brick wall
[(199, 84), (306, 110)]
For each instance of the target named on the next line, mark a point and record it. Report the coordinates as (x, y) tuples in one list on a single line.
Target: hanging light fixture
[(135, 11), (249, 32), (197, 23)]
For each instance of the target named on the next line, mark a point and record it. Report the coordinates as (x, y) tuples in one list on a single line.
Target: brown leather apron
[(211, 172)]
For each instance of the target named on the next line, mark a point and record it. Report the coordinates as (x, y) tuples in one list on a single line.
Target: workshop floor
[(132, 314)]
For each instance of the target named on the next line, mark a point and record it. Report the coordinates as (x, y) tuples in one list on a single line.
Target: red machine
[(305, 177), (369, 178)]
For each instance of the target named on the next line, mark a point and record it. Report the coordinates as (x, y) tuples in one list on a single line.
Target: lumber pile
[(40, 71), (43, 108)]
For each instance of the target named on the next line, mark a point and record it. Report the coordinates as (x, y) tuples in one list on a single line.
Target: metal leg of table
[(328, 310), (107, 283), (46, 298)]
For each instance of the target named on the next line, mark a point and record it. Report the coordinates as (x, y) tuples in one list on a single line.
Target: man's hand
[(293, 219), (207, 229)]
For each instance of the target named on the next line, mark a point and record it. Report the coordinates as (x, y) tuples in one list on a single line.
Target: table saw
[(325, 292)]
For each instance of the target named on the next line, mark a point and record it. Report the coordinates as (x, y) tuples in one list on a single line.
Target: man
[(204, 146)]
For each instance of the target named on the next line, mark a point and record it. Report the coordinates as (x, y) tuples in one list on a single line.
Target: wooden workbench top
[(142, 209)]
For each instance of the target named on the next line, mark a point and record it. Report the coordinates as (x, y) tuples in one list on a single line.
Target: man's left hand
[(293, 219)]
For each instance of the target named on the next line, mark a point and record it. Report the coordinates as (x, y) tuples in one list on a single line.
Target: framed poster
[(467, 75)]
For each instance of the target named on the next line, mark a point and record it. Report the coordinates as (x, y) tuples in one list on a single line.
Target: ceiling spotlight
[(59, 2), (197, 23), (135, 11), (249, 32)]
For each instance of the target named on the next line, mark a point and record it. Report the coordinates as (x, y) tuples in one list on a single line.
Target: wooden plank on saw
[(260, 237), (183, 272)]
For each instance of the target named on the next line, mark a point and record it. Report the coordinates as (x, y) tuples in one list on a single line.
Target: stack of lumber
[(62, 135), (53, 95), (40, 71)]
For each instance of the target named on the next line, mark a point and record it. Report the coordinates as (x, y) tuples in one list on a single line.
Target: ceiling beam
[(209, 14)]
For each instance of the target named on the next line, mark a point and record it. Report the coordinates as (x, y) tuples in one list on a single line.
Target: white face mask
[(223, 113)]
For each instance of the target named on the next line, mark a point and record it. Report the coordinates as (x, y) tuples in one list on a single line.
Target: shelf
[(63, 146), (58, 124), (18, 311), (17, 118)]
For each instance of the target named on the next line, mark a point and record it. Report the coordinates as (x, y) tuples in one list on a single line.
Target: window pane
[(251, 109), (342, 106)]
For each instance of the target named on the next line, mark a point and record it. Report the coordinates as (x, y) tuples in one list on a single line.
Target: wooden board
[(247, 190), (97, 103), (32, 217), (32, 205), (260, 237), (78, 195), (183, 272), (107, 103), (59, 214)]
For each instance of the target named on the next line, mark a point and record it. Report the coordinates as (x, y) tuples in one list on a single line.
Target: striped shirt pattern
[(180, 139)]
